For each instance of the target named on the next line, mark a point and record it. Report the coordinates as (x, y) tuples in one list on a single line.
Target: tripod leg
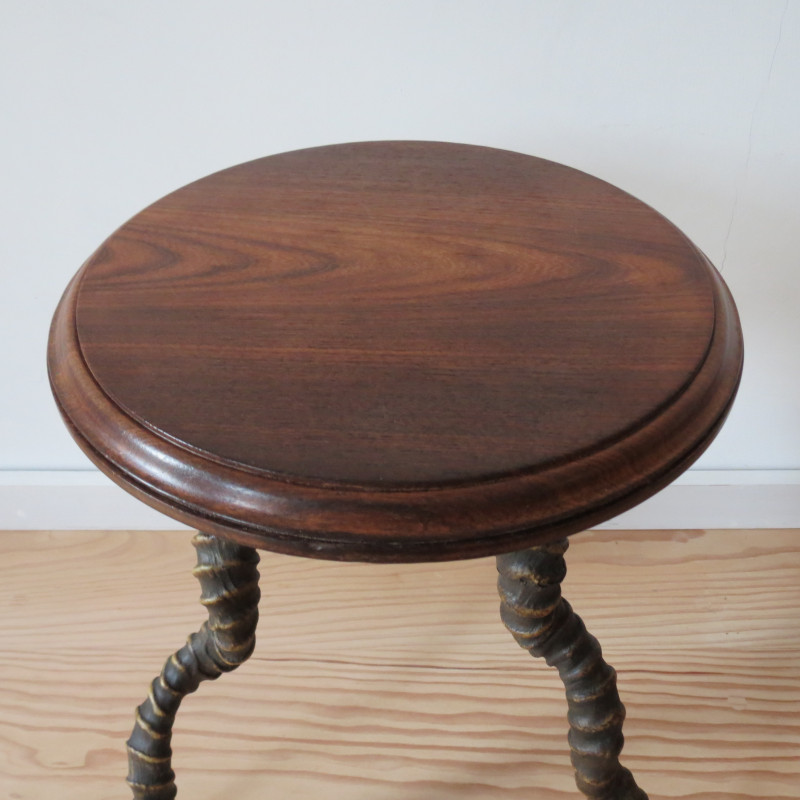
[(228, 578), (543, 623)]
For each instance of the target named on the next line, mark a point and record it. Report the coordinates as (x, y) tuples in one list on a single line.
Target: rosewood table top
[(395, 351)]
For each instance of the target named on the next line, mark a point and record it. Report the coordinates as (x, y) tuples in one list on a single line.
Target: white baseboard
[(87, 500)]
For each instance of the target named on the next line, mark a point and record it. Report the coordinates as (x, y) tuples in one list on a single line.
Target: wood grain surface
[(395, 351), (386, 681), (395, 313)]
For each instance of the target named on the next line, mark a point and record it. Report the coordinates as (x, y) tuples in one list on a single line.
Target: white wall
[(692, 105)]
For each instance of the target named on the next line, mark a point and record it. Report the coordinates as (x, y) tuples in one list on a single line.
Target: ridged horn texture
[(228, 576), (543, 623)]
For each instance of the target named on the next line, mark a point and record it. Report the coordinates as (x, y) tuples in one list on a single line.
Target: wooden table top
[(395, 351)]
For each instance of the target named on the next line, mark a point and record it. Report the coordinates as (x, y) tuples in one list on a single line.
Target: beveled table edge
[(430, 523)]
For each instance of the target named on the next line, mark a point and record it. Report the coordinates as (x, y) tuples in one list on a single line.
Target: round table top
[(395, 351)]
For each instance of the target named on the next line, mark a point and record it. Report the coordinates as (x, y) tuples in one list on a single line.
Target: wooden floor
[(379, 682)]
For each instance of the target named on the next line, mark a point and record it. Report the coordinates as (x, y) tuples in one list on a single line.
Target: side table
[(395, 352)]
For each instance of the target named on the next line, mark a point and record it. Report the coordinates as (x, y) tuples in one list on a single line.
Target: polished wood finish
[(373, 681), (228, 575), (543, 623), (395, 351)]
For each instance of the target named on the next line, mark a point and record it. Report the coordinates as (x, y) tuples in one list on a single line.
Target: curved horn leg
[(228, 578), (543, 623)]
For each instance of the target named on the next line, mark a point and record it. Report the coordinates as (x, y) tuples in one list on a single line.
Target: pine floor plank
[(399, 681)]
